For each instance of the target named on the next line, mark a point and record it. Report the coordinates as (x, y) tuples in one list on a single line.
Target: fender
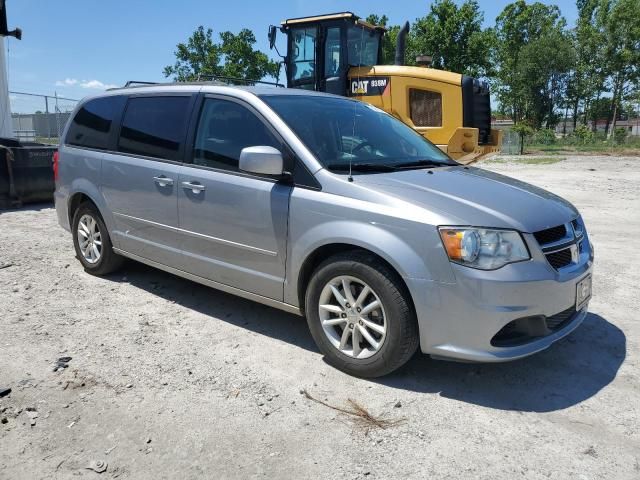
[(86, 187), (405, 259)]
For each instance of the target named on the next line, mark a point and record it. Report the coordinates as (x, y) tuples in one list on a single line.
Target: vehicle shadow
[(36, 207), (219, 305), (569, 372)]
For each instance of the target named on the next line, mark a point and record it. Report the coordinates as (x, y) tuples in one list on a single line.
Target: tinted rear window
[(92, 124), (154, 126)]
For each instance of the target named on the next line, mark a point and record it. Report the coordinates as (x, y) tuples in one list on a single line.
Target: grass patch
[(494, 160), (524, 160), (538, 160), (48, 140), (596, 148)]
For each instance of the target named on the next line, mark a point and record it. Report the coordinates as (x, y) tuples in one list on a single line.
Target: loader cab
[(321, 49)]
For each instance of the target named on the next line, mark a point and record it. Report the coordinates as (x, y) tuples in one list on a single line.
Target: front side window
[(224, 129), (91, 126), (303, 58), (154, 126), (341, 132)]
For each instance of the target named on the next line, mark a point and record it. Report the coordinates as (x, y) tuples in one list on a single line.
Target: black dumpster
[(26, 172)]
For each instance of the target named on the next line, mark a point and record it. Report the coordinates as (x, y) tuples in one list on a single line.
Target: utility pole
[(6, 124)]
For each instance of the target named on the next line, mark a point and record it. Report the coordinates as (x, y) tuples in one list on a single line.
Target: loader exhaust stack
[(401, 44)]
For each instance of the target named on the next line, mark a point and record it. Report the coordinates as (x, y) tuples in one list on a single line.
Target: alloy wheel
[(89, 239), (352, 317)]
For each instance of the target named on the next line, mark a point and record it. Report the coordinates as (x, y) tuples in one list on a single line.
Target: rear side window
[(154, 126), (91, 126)]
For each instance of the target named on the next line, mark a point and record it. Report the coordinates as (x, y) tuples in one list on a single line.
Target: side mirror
[(272, 36), (262, 160)]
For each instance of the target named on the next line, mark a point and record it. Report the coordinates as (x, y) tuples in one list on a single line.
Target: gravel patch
[(165, 378)]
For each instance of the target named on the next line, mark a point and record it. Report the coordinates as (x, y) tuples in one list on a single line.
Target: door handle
[(194, 187), (163, 181)]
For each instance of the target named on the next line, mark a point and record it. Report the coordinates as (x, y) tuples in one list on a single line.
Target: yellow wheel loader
[(341, 54)]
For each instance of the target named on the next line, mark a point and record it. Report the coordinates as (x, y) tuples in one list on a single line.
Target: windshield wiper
[(361, 167), (421, 164)]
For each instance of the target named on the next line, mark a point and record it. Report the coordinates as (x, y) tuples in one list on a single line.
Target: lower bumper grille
[(559, 320), (527, 329)]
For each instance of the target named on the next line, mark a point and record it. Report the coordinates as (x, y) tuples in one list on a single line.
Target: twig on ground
[(360, 414)]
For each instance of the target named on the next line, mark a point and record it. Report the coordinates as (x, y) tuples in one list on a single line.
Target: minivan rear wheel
[(360, 315), (92, 243)]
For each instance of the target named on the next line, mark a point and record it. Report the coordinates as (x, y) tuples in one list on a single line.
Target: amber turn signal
[(452, 240)]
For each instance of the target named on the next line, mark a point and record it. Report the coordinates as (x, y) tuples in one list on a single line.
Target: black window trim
[(193, 117), (181, 153), (289, 156)]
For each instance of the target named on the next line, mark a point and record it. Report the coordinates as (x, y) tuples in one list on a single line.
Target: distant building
[(632, 126), (27, 126), (502, 123)]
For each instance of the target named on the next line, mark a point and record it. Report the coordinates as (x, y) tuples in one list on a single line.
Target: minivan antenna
[(355, 103)]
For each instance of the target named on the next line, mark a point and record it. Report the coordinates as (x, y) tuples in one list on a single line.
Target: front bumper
[(458, 320)]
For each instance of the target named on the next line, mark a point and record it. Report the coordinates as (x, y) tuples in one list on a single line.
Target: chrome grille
[(560, 259), (562, 244), (551, 235)]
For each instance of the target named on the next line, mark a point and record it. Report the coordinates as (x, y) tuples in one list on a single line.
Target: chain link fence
[(510, 142), (39, 118), (625, 138)]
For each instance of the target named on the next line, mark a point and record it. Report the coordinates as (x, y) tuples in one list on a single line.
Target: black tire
[(108, 261), (401, 340)]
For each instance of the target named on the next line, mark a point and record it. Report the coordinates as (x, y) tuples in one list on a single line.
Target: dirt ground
[(170, 379)]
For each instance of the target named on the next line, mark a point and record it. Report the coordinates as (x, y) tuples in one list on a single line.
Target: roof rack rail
[(201, 79), (131, 83), (206, 78)]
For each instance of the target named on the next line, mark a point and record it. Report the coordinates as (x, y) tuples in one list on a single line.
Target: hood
[(476, 197)]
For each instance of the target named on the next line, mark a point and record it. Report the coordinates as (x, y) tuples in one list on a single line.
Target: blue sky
[(77, 47)]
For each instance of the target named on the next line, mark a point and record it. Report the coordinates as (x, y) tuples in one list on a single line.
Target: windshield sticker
[(368, 86)]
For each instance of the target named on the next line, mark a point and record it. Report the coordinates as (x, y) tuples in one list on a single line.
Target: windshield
[(340, 132)]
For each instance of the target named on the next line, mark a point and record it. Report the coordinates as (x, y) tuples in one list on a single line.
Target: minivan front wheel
[(92, 243), (360, 316), (352, 317)]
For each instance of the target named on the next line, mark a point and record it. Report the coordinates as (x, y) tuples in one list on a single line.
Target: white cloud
[(91, 84), (67, 82), (96, 84)]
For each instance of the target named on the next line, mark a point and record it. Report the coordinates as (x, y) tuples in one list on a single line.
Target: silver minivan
[(328, 208)]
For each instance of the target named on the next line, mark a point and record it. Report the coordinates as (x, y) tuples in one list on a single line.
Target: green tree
[(620, 21), (454, 37), (534, 56), (586, 81), (389, 39), (524, 131), (597, 109), (234, 56)]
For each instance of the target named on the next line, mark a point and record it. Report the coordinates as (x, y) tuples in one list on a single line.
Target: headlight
[(483, 248)]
